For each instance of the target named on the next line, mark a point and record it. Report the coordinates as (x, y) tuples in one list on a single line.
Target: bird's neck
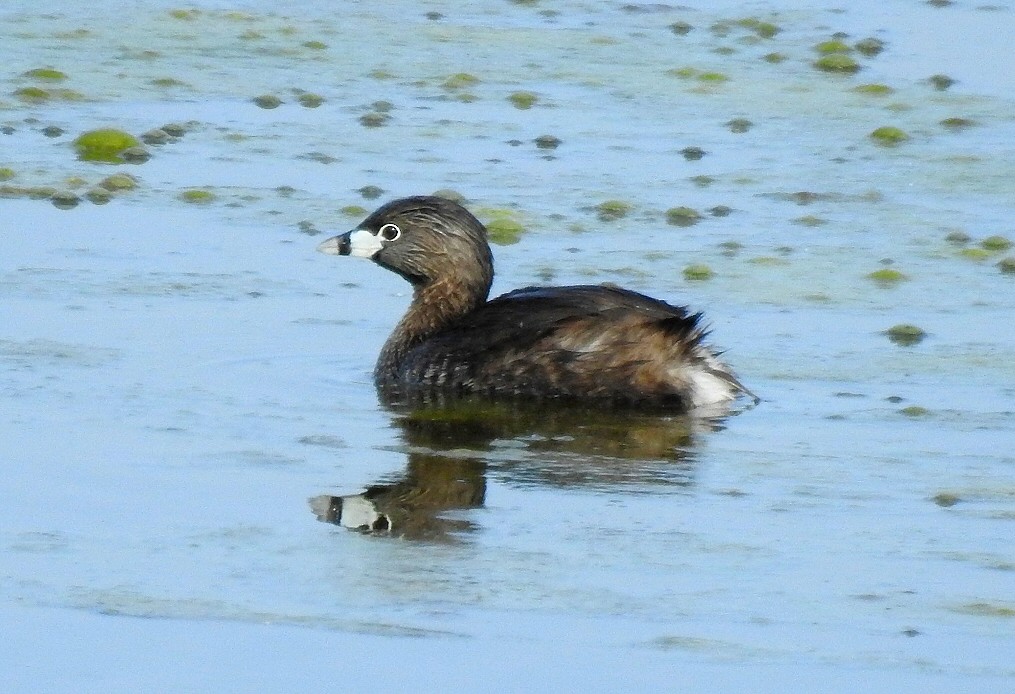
[(435, 305)]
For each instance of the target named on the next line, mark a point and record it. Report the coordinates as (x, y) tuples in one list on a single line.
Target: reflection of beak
[(354, 511), (336, 245)]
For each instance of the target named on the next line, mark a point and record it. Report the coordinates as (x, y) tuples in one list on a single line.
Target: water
[(179, 379)]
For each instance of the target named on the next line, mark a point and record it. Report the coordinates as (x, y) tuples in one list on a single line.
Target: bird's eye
[(389, 232)]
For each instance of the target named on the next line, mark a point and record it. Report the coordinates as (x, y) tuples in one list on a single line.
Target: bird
[(585, 344)]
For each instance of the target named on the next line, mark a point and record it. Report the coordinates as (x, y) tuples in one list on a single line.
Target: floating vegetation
[(503, 230), (914, 411), (958, 237), (874, 89), (888, 135), (887, 276), (30, 192), (459, 82), (721, 211), (869, 47), (52, 131), (688, 73), (975, 254), (118, 182), (374, 119), (1007, 265), (940, 82), (6, 173), (765, 30), (136, 155), (774, 58), (956, 123), (47, 74), (681, 28), (702, 180), (156, 137), (174, 129), (185, 15), (985, 609), (523, 100), (267, 101), (547, 142), (832, 46), (946, 499), (682, 216), (698, 273), (197, 196), (692, 153), (315, 45), (310, 100), (837, 63), (612, 210), (739, 125), (64, 200), (996, 243), (105, 145), (370, 192), (905, 334), (38, 95), (353, 211), (98, 196), (809, 220)]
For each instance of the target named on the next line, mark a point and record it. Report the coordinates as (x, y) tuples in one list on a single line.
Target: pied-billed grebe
[(594, 343)]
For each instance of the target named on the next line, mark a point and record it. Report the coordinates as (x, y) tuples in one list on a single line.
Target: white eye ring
[(389, 232)]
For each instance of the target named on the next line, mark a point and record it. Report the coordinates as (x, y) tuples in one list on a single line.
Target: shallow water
[(178, 379)]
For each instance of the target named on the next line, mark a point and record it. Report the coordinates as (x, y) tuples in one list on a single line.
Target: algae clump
[(523, 100), (889, 135), (905, 334), (996, 243), (698, 273), (6, 173), (1007, 266), (612, 210), (874, 89), (197, 196), (887, 276), (104, 145), (682, 216), (46, 73), (837, 62), (504, 231)]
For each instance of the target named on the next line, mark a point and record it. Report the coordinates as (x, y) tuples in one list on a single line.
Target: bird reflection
[(452, 446)]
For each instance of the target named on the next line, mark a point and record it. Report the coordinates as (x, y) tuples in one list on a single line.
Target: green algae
[(7, 173), (975, 254), (809, 220), (354, 211), (888, 135), (1007, 265), (459, 82), (681, 28), (958, 237), (702, 180), (612, 210), (64, 200), (832, 46), (682, 216), (98, 196), (548, 142), (946, 499), (374, 119), (914, 411), (315, 45), (197, 196), (837, 63), (184, 14), (705, 76), (38, 95), (30, 192), (873, 89), (310, 100), (523, 100), (940, 82), (996, 243), (739, 125), (692, 153), (887, 277), (774, 58), (105, 145), (986, 609), (47, 74), (957, 123), (905, 334), (869, 47), (118, 182), (267, 101), (761, 28), (503, 230), (168, 82), (698, 273)]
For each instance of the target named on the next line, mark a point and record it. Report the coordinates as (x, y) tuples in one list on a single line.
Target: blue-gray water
[(178, 379)]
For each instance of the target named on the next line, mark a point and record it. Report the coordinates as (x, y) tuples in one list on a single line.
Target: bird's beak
[(359, 242)]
